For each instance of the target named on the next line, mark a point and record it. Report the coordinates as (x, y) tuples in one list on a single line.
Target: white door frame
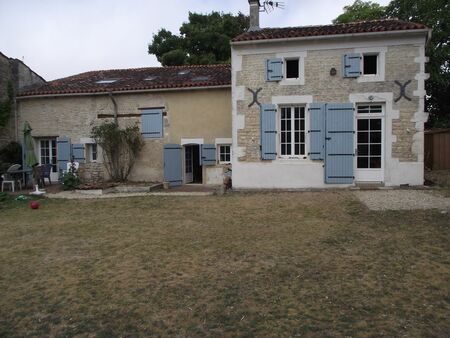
[(54, 176), (370, 175)]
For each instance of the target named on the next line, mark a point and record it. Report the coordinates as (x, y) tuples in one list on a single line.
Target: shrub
[(120, 148)]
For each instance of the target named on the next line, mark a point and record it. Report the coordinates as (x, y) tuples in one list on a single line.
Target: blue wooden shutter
[(351, 65), (152, 123), (78, 153), (172, 165), (208, 154), (268, 132), (339, 145), (63, 153), (317, 131), (274, 70)]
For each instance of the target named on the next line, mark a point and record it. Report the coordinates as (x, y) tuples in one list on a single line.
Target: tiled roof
[(347, 28), (118, 80)]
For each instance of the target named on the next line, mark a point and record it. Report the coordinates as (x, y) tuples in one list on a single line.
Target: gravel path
[(402, 200), (76, 195)]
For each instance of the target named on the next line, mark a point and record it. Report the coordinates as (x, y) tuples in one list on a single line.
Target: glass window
[(224, 153), (48, 152), (369, 136), (292, 131), (292, 69), (370, 64)]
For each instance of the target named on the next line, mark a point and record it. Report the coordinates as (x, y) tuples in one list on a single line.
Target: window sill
[(292, 82), (371, 78)]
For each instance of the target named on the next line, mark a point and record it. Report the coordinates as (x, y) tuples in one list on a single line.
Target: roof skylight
[(150, 78), (201, 78), (106, 81), (184, 72)]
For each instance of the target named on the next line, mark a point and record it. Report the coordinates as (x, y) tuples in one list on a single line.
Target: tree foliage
[(361, 10), (120, 148), (204, 39), (435, 14)]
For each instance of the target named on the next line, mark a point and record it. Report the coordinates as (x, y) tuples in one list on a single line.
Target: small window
[(48, 153), (292, 69), (370, 64), (224, 153), (94, 153)]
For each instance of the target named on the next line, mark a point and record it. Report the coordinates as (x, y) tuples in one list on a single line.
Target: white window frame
[(301, 68), (306, 142), (218, 147), (366, 174), (381, 63), (49, 139), (88, 142)]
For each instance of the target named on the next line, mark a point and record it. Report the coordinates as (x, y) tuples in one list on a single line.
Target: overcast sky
[(58, 38)]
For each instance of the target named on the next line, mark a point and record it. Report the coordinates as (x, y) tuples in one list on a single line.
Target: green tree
[(5, 106), (204, 39), (436, 15), (361, 10)]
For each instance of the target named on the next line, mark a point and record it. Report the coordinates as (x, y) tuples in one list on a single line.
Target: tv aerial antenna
[(269, 6)]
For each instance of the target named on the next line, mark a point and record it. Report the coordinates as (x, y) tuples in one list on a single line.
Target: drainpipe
[(115, 107)]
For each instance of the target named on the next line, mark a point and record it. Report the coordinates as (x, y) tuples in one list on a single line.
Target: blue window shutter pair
[(208, 154), (78, 153), (351, 65), (63, 152), (268, 132), (274, 70), (332, 140), (152, 123)]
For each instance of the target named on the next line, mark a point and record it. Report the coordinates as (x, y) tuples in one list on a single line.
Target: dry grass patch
[(282, 264)]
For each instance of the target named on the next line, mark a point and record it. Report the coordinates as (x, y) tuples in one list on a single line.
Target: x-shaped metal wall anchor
[(402, 90), (255, 97)]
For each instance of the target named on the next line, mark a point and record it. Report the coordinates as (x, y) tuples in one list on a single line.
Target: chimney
[(254, 15)]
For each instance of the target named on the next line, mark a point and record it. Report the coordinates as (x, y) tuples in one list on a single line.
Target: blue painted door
[(339, 143), (172, 164)]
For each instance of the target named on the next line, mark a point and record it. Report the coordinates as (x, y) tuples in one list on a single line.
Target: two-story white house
[(319, 106)]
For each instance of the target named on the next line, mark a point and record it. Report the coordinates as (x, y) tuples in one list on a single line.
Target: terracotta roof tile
[(135, 79), (348, 28)]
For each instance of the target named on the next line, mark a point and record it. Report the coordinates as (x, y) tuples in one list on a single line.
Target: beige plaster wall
[(203, 113)]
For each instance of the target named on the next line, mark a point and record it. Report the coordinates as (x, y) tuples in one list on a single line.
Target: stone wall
[(400, 66), (19, 75), (191, 114)]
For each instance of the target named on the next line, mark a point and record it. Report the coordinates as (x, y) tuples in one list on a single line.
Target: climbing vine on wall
[(5, 106)]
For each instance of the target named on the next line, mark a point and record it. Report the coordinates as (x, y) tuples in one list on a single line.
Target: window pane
[(302, 112), (370, 64), (302, 137), (297, 137), (375, 124), (375, 149), (375, 162), (297, 112), (302, 149), (302, 124), (288, 148), (363, 162), (375, 137), (363, 137), (363, 124), (292, 69), (296, 124), (363, 150), (283, 149), (297, 149)]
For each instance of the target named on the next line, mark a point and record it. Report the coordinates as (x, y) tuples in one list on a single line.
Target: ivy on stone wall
[(6, 106)]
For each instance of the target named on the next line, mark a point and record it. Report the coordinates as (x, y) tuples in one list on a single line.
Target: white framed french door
[(48, 155), (369, 142)]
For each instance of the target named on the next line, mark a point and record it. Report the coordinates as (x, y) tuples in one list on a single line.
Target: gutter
[(124, 92), (334, 36)]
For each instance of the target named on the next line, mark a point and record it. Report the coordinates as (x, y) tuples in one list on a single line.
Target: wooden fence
[(437, 149)]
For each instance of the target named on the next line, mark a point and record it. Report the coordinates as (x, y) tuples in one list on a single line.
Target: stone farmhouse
[(318, 106), (300, 107), (183, 113)]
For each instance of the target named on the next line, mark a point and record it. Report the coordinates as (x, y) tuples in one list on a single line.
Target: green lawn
[(273, 264)]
